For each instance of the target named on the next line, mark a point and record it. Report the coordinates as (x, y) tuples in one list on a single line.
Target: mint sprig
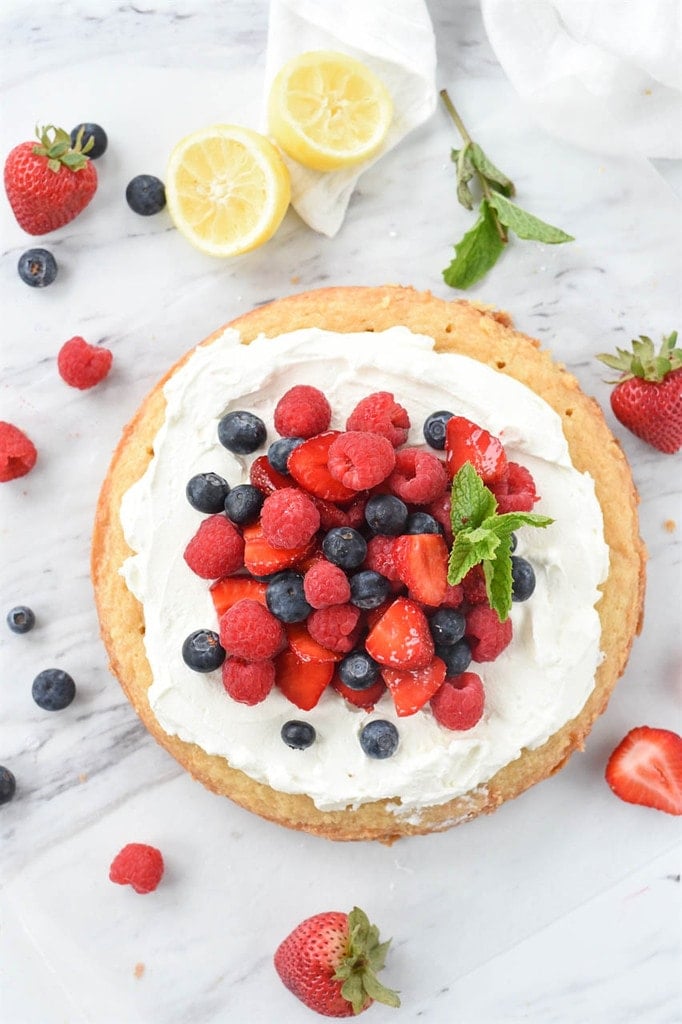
[(481, 247), (481, 535)]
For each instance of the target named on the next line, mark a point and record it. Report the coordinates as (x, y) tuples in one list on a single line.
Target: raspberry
[(379, 413), (138, 865), (302, 411), (381, 556), (249, 630), (17, 452), (216, 549), (331, 515), (487, 636), (459, 703), (454, 595), (440, 510), (516, 493), (289, 518), (325, 584), (335, 627), (359, 459), (418, 477), (82, 365), (473, 586), (248, 682)]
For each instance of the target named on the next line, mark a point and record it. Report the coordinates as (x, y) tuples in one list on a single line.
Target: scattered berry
[(248, 682), (345, 547), (289, 518), (359, 459), (206, 492), (457, 657), (8, 785), (434, 428), (298, 735), (358, 671), (216, 549), (379, 413), (325, 584), (422, 563), (646, 768), (82, 365), (241, 432), (37, 268), (17, 452), (53, 689), (335, 627), (381, 556), (21, 619), (386, 514), (309, 466), (422, 522), (302, 411), (250, 631), (523, 579), (138, 865), (411, 689), (379, 739), (146, 195), (90, 131), (243, 504), (302, 682), (401, 638), (280, 450), (467, 442), (286, 599), (369, 589), (202, 652), (459, 703), (418, 478), (447, 626), (487, 636)]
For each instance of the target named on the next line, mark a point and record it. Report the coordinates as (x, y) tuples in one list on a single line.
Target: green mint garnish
[(481, 535)]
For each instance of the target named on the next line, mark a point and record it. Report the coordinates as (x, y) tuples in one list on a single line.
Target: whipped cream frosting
[(536, 685)]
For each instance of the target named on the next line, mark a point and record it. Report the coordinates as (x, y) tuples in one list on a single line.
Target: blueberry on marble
[(447, 626), (523, 578), (206, 492), (358, 671), (386, 514), (379, 739), (280, 450), (202, 651), (434, 428), (345, 547), (37, 267), (53, 689), (146, 195), (21, 619), (457, 657), (422, 522), (241, 432), (243, 504), (8, 785), (298, 735), (285, 597), (368, 589), (94, 132)]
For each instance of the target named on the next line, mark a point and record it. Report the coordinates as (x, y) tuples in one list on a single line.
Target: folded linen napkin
[(395, 39)]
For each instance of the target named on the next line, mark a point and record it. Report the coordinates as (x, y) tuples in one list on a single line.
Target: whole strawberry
[(329, 963), (647, 398), (48, 183)]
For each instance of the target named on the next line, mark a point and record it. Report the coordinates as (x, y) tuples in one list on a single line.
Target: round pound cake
[(299, 602)]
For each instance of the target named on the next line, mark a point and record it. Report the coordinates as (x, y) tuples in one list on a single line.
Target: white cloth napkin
[(604, 74), (395, 39)]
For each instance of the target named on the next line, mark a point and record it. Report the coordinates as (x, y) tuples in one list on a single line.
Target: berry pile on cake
[(299, 602)]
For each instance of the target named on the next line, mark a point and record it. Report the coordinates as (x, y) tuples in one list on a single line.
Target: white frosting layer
[(541, 681)]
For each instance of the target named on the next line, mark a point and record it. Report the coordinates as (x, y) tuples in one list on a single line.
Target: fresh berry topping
[(8, 785), (82, 365), (381, 556), (250, 631), (82, 134), (53, 689), (379, 413), (401, 638), (418, 478), (231, 589), (146, 195), (379, 739), (241, 432), (487, 636), (523, 579), (459, 703), (302, 682), (302, 411), (202, 652), (37, 268), (280, 450), (358, 671), (457, 657), (305, 646), (422, 563), (248, 682), (325, 584), (216, 549), (358, 459), (440, 510), (646, 768), (422, 522), (352, 515), (454, 595), (467, 442), (335, 627), (289, 518), (265, 477), (298, 735), (206, 492), (386, 514), (285, 597), (345, 547), (366, 699), (243, 503), (434, 428), (515, 492), (474, 587), (447, 626), (369, 589), (412, 689), (308, 465), (262, 559), (21, 619), (138, 865)]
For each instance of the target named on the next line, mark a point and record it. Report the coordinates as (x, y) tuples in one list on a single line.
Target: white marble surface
[(563, 906)]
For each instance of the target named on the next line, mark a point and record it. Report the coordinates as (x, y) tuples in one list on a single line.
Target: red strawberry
[(422, 563), (308, 466), (467, 442), (231, 589), (365, 699), (411, 690), (262, 559), (401, 638), (646, 768), (302, 682), (265, 477), (49, 183), (647, 398), (329, 963), (305, 647)]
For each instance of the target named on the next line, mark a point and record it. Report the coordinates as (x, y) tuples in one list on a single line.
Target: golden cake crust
[(458, 326)]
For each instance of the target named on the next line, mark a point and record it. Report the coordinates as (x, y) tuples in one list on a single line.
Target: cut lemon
[(227, 189), (327, 110)]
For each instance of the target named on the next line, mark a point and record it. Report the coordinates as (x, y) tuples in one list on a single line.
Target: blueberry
[(523, 579), (379, 739), (243, 504), (447, 626), (206, 492), (21, 619), (241, 432), (298, 735), (8, 785), (422, 522), (457, 657), (202, 652), (386, 514), (358, 671), (434, 428), (368, 589), (146, 195), (345, 547), (53, 689), (285, 597), (37, 267), (280, 450), (94, 132)]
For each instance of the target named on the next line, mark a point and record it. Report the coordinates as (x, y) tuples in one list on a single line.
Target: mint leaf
[(471, 502), (524, 224), (463, 556), (498, 583), (492, 174), (465, 172), (477, 252), (508, 522)]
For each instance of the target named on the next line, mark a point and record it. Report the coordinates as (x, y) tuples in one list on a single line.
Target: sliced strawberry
[(306, 647), (302, 682), (467, 442), (372, 615), (267, 479), (422, 563), (262, 559), (308, 467), (411, 690), (646, 768), (401, 638), (365, 699), (230, 589)]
